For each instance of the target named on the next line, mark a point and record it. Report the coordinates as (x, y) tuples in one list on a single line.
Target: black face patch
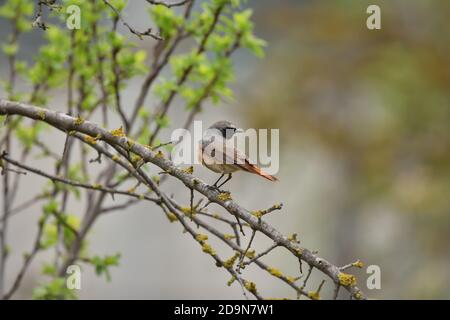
[(228, 132)]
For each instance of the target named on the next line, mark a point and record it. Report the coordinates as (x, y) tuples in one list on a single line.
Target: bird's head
[(225, 128)]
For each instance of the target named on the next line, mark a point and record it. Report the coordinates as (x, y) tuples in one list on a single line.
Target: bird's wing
[(226, 154)]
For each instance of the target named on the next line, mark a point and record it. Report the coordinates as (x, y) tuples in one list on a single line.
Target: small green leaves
[(50, 236), (164, 88), (254, 44), (242, 21), (48, 269), (119, 4), (10, 49), (166, 20), (18, 11), (102, 265), (28, 135), (54, 290), (162, 121)]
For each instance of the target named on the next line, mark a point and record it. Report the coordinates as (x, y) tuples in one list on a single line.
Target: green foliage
[(50, 230), (19, 11), (164, 88), (166, 20), (28, 135), (102, 265), (97, 61), (56, 289)]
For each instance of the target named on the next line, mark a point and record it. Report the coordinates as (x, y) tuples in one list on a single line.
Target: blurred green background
[(370, 111)]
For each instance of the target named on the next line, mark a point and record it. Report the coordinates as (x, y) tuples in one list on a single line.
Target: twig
[(240, 264), (168, 5), (139, 34), (275, 245), (75, 183), (27, 261)]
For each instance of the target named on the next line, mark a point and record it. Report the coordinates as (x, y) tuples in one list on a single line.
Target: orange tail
[(256, 170)]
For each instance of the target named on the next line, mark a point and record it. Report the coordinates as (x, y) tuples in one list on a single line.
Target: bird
[(218, 156)]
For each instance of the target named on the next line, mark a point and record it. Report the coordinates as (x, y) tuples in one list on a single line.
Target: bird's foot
[(216, 188)]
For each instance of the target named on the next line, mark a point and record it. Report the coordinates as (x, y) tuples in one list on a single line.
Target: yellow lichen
[(132, 190), (159, 154), (278, 206), (172, 217), (250, 254), (258, 214), (228, 236), (96, 186), (78, 121), (292, 279), (130, 143), (299, 251), (118, 132), (230, 282), (358, 264), (358, 295), (250, 286), (201, 237), (186, 210), (141, 197), (90, 140), (230, 262), (313, 295), (346, 279), (293, 237), (208, 249), (189, 170), (275, 272), (41, 114), (224, 196), (135, 158), (115, 157)]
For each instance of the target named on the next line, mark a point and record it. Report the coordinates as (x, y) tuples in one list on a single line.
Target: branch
[(72, 183), (139, 34), (70, 124), (169, 5)]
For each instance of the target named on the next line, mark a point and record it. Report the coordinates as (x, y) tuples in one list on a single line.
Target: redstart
[(221, 157)]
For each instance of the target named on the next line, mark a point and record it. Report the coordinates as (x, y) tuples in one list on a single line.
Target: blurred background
[(364, 119)]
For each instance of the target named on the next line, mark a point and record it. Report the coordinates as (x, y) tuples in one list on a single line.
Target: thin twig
[(169, 5), (139, 34)]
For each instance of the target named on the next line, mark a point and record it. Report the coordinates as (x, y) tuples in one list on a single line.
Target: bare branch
[(139, 34), (169, 5)]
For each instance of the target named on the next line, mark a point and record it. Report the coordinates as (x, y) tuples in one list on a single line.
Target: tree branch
[(70, 124)]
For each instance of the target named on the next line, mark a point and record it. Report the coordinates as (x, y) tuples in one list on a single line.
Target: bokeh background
[(364, 119)]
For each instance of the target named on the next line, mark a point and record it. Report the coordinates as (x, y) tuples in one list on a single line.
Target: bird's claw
[(216, 188)]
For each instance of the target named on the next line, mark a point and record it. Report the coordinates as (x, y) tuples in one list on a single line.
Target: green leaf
[(54, 290), (102, 264)]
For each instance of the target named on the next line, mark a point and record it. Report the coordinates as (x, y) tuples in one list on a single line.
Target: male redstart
[(221, 157)]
